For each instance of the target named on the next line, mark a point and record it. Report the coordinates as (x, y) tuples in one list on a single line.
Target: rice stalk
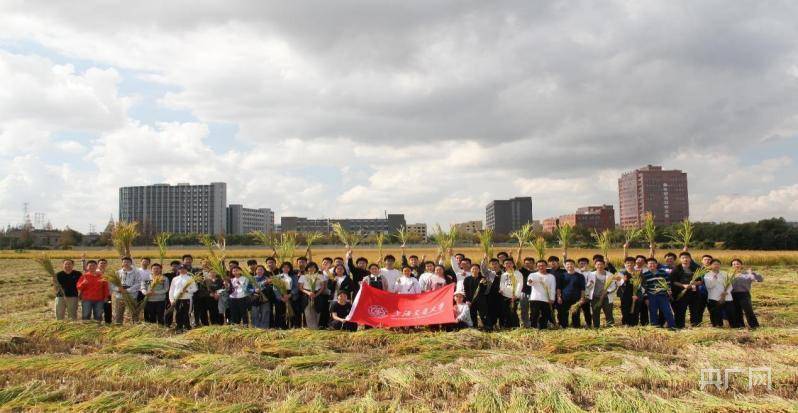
[(631, 235), (47, 265), (697, 275), (523, 236), (539, 246), (402, 235), (268, 240), (683, 233), (445, 240), (130, 303), (564, 233), (486, 242), (160, 241), (727, 283), (649, 228), (286, 247), (349, 239), (312, 237), (604, 242), (123, 235), (379, 239)]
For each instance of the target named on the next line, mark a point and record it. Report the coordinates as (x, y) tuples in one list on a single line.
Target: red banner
[(378, 308)]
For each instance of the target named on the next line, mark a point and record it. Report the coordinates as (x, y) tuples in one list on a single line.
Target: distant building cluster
[(391, 223), (596, 218), (652, 189)]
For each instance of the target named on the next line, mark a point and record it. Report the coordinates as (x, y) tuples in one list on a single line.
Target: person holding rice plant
[(573, 294), (510, 285), (102, 267), (490, 271), (217, 302), (180, 294), (628, 291), (602, 294), (240, 292), (262, 298), (656, 287), (543, 292), (66, 298), (358, 269), (282, 307), (93, 289), (527, 268), (389, 273), (686, 278), (406, 283), (741, 294), (175, 271), (719, 289), (155, 290), (342, 282), (312, 286), (131, 280)]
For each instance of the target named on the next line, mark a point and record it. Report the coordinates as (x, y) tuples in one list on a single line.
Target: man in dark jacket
[(681, 280)]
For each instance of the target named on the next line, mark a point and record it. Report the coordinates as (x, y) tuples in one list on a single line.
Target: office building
[(506, 216), (391, 223), (596, 218), (242, 220), (469, 227), (419, 231), (663, 193), (180, 208)]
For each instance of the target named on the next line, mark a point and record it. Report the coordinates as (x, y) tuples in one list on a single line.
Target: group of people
[(492, 293)]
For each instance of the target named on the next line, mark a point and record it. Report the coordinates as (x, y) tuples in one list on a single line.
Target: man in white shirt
[(719, 294), (510, 288), (406, 283), (425, 279), (180, 293), (146, 277), (389, 273), (131, 284), (603, 284), (543, 292)]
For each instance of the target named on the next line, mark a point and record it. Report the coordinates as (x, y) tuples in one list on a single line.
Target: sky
[(431, 109)]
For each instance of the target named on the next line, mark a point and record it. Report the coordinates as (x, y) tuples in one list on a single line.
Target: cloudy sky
[(350, 108)]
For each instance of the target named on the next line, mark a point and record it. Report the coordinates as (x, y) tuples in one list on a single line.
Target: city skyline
[(429, 109)]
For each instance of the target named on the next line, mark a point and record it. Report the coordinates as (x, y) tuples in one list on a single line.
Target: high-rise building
[(418, 230), (506, 216), (469, 227), (242, 220), (598, 218), (663, 193), (180, 208), (391, 223)]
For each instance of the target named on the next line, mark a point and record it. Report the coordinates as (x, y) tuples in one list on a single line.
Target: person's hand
[(83, 256), (626, 245), (559, 300), (635, 298)]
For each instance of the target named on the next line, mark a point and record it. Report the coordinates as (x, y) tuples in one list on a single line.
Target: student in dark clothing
[(339, 311), (630, 300), (527, 268), (416, 265), (656, 286), (102, 266), (66, 297), (473, 288), (681, 280), (358, 270), (573, 291), (558, 273)]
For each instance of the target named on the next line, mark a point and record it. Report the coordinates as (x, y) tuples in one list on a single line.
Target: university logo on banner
[(378, 308)]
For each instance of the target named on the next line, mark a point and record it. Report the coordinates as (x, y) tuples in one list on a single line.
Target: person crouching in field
[(339, 311), (93, 289), (156, 289), (180, 293), (719, 289), (66, 300), (656, 287), (741, 294), (462, 311)]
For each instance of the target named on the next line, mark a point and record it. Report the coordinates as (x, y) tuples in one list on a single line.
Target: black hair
[(157, 265), (714, 260), (599, 260), (413, 256), (373, 265), (583, 259), (738, 260), (68, 259), (186, 256), (570, 260), (252, 262), (597, 257), (338, 259), (312, 264), (629, 259), (495, 260), (271, 259), (174, 262), (91, 262), (707, 256), (303, 258), (233, 262), (407, 267), (543, 261), (466, 259), (260, 266), (502, 253), (554, 258), (685, 254), (326, 259), (652, 259), (127, 259), (361, 259), (290, 266), (529, 259), (460, 254), (390, 257), (670, 254), (146, 258), (102, 260), (637, 257)]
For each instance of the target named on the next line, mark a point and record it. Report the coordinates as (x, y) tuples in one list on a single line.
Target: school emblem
[(377, 311)]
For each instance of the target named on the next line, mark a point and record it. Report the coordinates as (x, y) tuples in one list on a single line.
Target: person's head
[(374, 269), (706, 260), (465, 264), (156, 269), (102, 264), (541, 265), (205, 264), (232, 264), (252, 264), (600, 265), (361, 263), (629, 263), (529, 263), (339, 270), (583, 262), (502, 256), (413, 260), (440, 270), (145, 263), (287, 268), (509, 264), (312, 268), (407, 271), (570, 265), (554, 262), (342, 297), (174, 265), (326, 263), (390, 260), (429, 267), (301, 262), (127, 263), (260, 270), (271, 264), (714, 264), (495, 264), (685, 258), (235, 271), (737, 264), (597, 257), (670, 259), (187, 259), (91, 266), (68, 265), (475, 270), (183, 269), (338, 261), (458, 257), (459, 297), (640, 261), (652, 264)]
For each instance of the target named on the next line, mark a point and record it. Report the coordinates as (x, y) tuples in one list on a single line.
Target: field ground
[(54, 366)]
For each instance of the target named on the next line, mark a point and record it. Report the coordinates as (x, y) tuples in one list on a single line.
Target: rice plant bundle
[(683, 233), (445, 240), (575, 308), (636, 280), (156, 280), (286, 246), (130, 303), (649, 228), (268, 240), (402, 235), (523, 236), (540, 247), (217, 251), (169, 310), (486, 242), (607, 284), (631, 235), (349, 239), (727, 283), (279, 283), (603, 241), (47, 265), (379, 239), (697, 275), (160, 241), (123, 235), (312, 237), (564, 233)]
